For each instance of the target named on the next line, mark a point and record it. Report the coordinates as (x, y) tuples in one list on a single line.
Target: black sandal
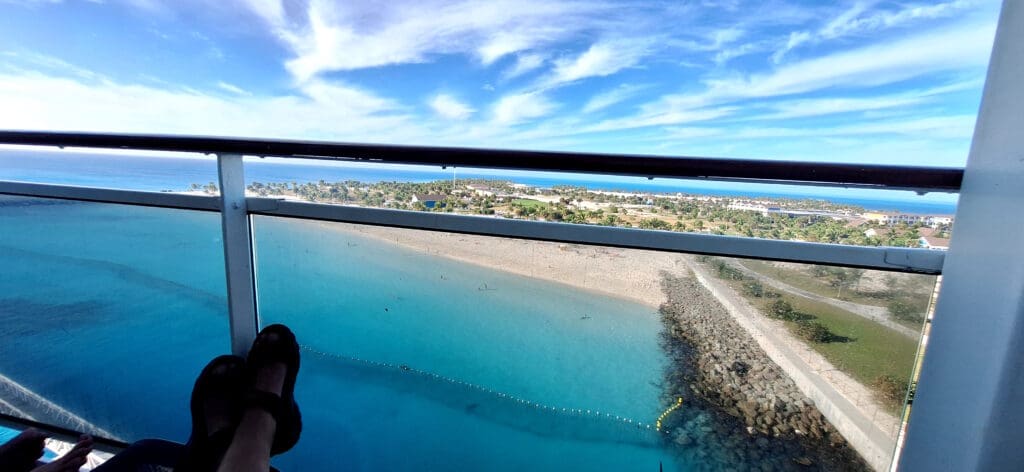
[(284, 410), (205, 450)]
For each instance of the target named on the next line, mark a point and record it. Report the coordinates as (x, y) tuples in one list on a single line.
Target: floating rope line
[(570, 411), (677, 404)]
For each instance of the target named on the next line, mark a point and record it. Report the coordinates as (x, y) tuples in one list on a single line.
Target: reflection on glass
[(502, 354), (107, 313)]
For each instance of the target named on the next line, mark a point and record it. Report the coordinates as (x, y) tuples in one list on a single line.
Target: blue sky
[(858, 81)]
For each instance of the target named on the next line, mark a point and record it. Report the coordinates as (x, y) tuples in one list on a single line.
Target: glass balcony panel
[(425, 350), (107, 314)]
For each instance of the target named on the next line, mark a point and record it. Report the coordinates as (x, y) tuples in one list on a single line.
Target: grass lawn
[(805, 281), (873, 350), (918, 290), (529, 203)]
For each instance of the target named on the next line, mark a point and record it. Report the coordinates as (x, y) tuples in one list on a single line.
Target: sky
[(885, 82)]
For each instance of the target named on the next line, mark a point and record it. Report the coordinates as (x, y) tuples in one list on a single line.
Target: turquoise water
[(110, 311)]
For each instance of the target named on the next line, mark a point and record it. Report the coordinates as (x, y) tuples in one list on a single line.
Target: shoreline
[(627, 274)]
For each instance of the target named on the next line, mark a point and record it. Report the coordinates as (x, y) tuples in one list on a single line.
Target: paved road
[(877, 314)]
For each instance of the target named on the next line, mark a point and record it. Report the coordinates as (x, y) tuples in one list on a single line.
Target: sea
[(178, 172), (410, 361)]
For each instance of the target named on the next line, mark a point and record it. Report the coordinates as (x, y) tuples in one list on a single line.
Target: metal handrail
[(919, 179)]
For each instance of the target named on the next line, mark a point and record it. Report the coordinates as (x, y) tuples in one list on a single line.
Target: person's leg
[(72, 460), (272, 422), (216, 410), (250, 449), (20, 454)]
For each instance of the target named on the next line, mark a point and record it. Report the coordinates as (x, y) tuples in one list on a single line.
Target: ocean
[(176, 173), (110, 311)]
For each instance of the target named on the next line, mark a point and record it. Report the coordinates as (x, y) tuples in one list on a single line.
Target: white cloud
[(674, 117), (516, 108), (961, 47), (725, 55), (336, 36), (524, 63), (601, 59), (610, 97), (841, 24), (852, 21), (796, 38), (323, 111), (233, 88), (861, 18), (448, 107), (832, 105)]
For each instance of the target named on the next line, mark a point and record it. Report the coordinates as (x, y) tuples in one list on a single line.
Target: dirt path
[(877, 314)]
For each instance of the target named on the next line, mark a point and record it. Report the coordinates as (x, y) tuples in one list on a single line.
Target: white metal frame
[(968, 414), (236, 227)]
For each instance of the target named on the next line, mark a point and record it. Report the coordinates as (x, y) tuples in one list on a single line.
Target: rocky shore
[(760, 420)]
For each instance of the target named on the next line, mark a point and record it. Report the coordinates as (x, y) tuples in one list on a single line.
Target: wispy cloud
[(233, 89), (448, 107), (516, 108), (861, 18), (802, 108), (878, 64), (601, 59), (610, 97), (336, 36), (525, 62)]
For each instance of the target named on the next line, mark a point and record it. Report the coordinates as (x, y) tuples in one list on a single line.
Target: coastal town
[(771, 218)]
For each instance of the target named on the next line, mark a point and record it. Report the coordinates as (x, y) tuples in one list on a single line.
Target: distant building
[(482, 190), (855, 222), (428, 200), (877, 232), (742, 206), (885, 218), (932, 242)]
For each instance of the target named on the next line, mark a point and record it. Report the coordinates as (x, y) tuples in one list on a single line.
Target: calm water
[(111, 311), (165, 173)]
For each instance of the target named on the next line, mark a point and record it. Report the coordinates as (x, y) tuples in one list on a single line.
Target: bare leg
[(250, 448), (72, 461)]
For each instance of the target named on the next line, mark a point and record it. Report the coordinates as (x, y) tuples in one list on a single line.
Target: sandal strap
[(266, 401)]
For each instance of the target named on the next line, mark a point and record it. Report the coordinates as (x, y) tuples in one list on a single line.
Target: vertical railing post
[(967, 412), (238, 253)]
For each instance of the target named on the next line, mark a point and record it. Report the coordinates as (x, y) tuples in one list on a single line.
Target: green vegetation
[(906, 297), (578, 205), (528, 203), (904, 309), (865, 350)]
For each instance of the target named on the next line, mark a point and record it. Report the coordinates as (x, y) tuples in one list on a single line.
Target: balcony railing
[(238, 212)]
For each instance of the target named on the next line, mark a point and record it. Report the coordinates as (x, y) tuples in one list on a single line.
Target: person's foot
[(274, 363), (20, 454), (270, 377), (216, 411), (72, 460), (220, 406)]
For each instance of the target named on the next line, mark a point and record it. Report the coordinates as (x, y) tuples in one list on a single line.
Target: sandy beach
[(630, 274)]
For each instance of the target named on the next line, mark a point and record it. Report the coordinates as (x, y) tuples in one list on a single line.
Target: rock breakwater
[(759, 419)]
